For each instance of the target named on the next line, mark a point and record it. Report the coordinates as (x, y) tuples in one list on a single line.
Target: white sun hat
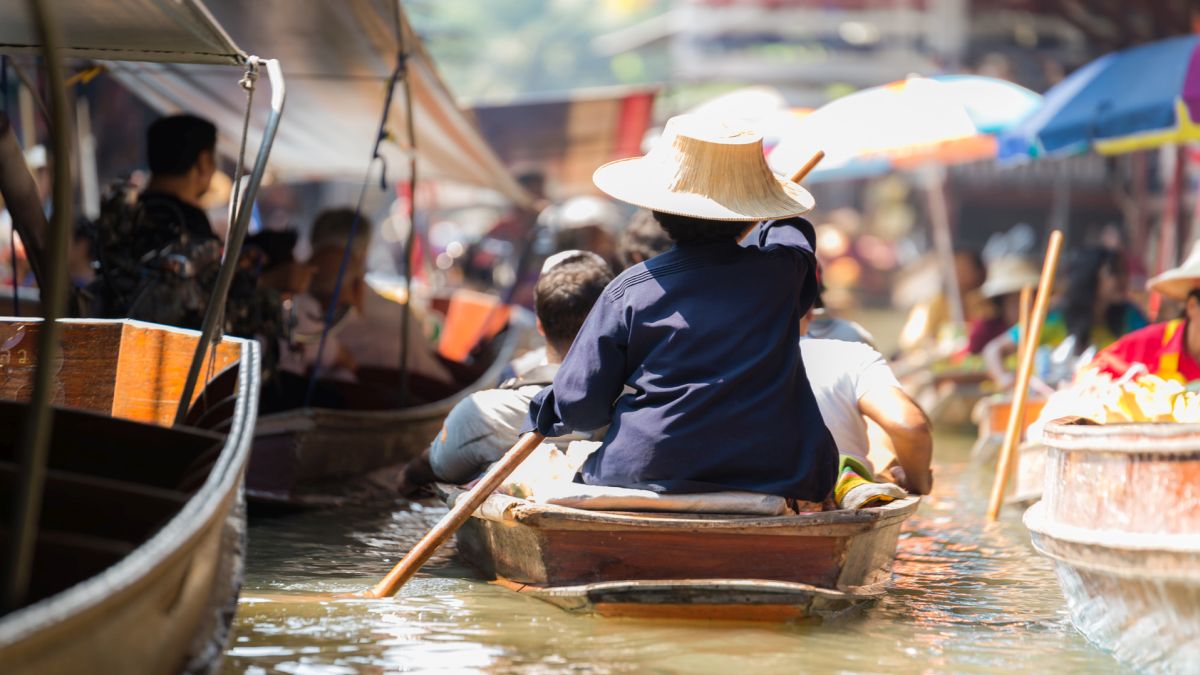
[(705, 168), (1177, 283)]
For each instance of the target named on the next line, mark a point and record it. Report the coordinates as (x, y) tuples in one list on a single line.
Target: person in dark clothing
[(693, 357), (181, 152)]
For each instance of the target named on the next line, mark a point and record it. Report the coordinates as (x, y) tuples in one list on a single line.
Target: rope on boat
[(331, 312), (405, 309)]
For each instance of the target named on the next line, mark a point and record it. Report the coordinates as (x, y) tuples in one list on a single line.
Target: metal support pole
[(213, 315)]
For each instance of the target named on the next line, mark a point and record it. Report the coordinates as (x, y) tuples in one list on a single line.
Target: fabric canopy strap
[(180, 31)]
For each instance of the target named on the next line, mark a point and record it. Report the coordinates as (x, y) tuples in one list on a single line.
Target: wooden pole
[(1023, 319), (1012, 432), (464, 506), (811, 164)]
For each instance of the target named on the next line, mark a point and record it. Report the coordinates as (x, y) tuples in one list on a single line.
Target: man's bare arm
[(908, 427)]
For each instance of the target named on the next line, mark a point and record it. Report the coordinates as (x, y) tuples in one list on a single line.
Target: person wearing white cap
[(1169, 349), (693, 357)]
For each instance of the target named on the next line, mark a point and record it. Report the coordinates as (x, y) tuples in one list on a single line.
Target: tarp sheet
[(180, 31), (337, 58)]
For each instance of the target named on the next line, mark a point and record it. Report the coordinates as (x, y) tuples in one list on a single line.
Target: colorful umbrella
[(944, 119), (1140, 98)]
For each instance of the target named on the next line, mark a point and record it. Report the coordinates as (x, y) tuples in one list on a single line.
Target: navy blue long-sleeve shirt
[(693, 358)]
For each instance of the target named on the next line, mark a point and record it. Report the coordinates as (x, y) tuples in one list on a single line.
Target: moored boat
[(686, 565), (139, 551), (1120, 517), (320, 456)]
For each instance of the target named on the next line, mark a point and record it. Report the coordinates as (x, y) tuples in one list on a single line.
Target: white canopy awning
[(337, 59), (180, 31)]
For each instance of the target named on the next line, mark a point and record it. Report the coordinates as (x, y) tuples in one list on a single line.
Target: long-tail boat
[(1120, 518), (685, 565), (139, 551), (314, 456)]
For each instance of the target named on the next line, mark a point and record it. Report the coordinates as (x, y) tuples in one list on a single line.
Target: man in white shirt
[(852, 382)]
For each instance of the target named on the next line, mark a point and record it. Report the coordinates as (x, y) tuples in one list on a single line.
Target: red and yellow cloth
[(1160, 347)]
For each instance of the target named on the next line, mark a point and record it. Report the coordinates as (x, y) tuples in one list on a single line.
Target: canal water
[(967, 597)]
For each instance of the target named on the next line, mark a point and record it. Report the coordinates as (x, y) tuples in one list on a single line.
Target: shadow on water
[(967, 597)]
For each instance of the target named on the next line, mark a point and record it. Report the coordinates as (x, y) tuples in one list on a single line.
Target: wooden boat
[(991, 419), (689, 566), (318, 456), (1121, 520), (139, 551)]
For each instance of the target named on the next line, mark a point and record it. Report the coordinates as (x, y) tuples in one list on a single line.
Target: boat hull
[(311, 457), (671, 565), (166, 606), (1120, 518)]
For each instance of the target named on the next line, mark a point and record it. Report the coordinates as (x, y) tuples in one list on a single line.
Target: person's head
[(1191, 307), (685, 230), (1095, 289), (564, 295), (969, 270), (181, 150), (641, 240), (330, 234)]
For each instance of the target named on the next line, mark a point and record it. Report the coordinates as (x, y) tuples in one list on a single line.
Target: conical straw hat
[(1177, 283), (704, 168)]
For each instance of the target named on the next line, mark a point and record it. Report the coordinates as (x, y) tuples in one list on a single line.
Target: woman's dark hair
[(1078, 304), (641, 240), (688, 230)]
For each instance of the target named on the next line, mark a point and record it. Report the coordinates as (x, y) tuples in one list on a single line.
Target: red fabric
[(1146, 346)]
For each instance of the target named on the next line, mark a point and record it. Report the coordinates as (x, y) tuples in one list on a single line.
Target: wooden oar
[(808, 166), (464, 506), (1012, 432)]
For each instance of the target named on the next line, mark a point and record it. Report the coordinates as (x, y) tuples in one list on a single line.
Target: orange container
[(471, 318)]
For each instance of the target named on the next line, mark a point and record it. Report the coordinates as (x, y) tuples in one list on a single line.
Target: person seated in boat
[(1006, 277), (927, 323), (1092, 313), (692, 358), (1169, 349), (853, 383), (368, 324), (642, 239), (181, 151), (821, 324), (484, 425), (539, 356)]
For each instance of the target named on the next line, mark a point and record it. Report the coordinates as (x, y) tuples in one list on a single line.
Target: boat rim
[(185, 525), (1116, 438), (1039, 523), (506, 508), (743, 585)]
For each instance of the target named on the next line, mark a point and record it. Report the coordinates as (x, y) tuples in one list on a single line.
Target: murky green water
[(967, 597)]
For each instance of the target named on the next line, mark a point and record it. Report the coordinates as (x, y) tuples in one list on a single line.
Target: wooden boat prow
[(162, 594), (688, 566), (1120, 518), (313, 456)]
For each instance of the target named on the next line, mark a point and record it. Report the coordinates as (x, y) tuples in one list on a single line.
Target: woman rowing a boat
[(693, 356)]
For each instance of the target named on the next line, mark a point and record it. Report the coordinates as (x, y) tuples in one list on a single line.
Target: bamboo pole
[(1024, 372), (1023, 319), (464, 506)]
